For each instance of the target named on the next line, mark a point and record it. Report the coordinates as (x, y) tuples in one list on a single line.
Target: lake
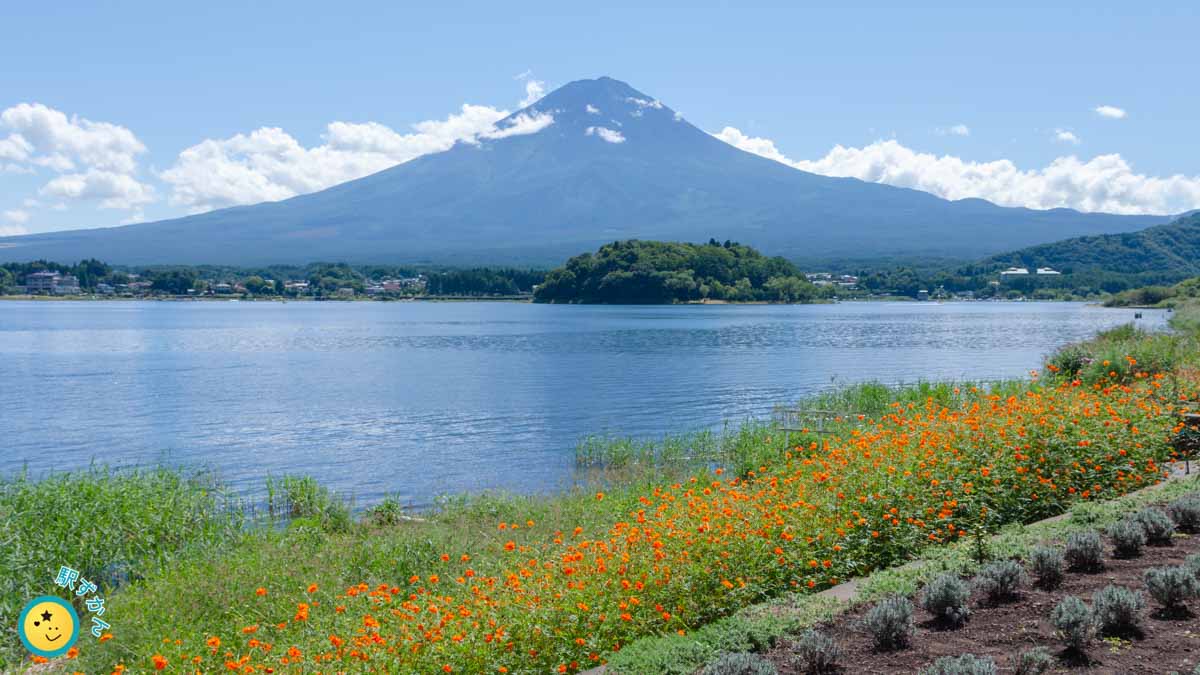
[(421, 399)]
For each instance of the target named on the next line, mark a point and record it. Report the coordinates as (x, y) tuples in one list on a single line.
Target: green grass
[(115, 527)]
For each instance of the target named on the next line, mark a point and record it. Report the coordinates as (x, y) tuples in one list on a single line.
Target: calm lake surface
[(423, 399)]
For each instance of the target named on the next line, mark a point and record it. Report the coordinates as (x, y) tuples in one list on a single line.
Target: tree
[(662, 272), (257, 286), (175, 282)]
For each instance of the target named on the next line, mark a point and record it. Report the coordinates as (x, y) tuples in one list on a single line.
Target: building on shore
[(41, 282), (51, 283)]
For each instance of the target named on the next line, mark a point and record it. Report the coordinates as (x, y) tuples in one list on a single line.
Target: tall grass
[(115, 527)]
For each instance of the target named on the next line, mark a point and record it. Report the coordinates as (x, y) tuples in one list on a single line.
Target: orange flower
[(260, 591), (312, 588), (159, 662)]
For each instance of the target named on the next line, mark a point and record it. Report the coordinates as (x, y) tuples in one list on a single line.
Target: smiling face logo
[(48, 626)]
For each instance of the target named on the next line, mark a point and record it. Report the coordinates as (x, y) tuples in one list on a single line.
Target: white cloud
[(1064, 136), (956, 130), (763, 147), (268, 164), (16, 216), (534, 91), (643, 103), (592, 110), (521, 125), (30, 203), (113, 190), (98, 159), (52, 139), (1104, 183), (15, 148), (1110, 111), (138, 216), (609, 135), (12, 230)]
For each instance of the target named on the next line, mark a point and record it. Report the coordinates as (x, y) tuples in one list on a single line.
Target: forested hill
[(1170, 251), (657, 272)]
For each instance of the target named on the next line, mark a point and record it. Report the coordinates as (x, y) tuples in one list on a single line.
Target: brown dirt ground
[(1168, 644)]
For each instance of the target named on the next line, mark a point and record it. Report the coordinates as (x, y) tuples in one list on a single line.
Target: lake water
[(423, 399)]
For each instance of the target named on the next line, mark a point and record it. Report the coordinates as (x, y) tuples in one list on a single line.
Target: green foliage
[(173, 281), (1074, 622), (1035, 661), (1000, 581), (306, 503), (946, 598), (1145, 296), (739, 663), (1047, 565), (1172, 587), (1158, 527), (654, 272), (963, 664), (1118, 355), (1192, 562), (387, 513), (482, 281), (816, 653), (1117, 610), (890, 623), (1128, 538), (684, 655), (1185, 513), (1084, 552), (114, 527)]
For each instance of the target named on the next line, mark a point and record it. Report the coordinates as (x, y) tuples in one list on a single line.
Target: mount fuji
[(591, 162)]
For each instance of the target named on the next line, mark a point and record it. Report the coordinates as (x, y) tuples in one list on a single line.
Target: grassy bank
[(668, 537)]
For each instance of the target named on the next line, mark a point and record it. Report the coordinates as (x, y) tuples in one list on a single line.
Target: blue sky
[(960, 101)]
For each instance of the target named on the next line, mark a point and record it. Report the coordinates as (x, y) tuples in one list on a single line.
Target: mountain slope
[(1168, 250), (613, 164)]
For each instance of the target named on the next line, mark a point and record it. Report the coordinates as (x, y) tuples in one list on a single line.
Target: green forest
[(1157, 296), (657, 272)]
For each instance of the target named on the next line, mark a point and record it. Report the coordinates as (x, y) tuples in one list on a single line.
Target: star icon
[(46, 616)]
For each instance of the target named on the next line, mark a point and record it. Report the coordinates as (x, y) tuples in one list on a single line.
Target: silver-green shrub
[(890, 623)]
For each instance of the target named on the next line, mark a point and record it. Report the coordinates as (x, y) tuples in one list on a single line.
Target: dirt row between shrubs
[(1168, 644)]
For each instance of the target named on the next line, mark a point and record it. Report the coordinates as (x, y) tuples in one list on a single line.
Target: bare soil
[(1168, 644)]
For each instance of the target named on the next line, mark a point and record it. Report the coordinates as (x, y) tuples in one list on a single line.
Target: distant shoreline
[(218, 298)]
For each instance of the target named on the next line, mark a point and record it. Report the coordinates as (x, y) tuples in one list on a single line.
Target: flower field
[(539, 598)]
